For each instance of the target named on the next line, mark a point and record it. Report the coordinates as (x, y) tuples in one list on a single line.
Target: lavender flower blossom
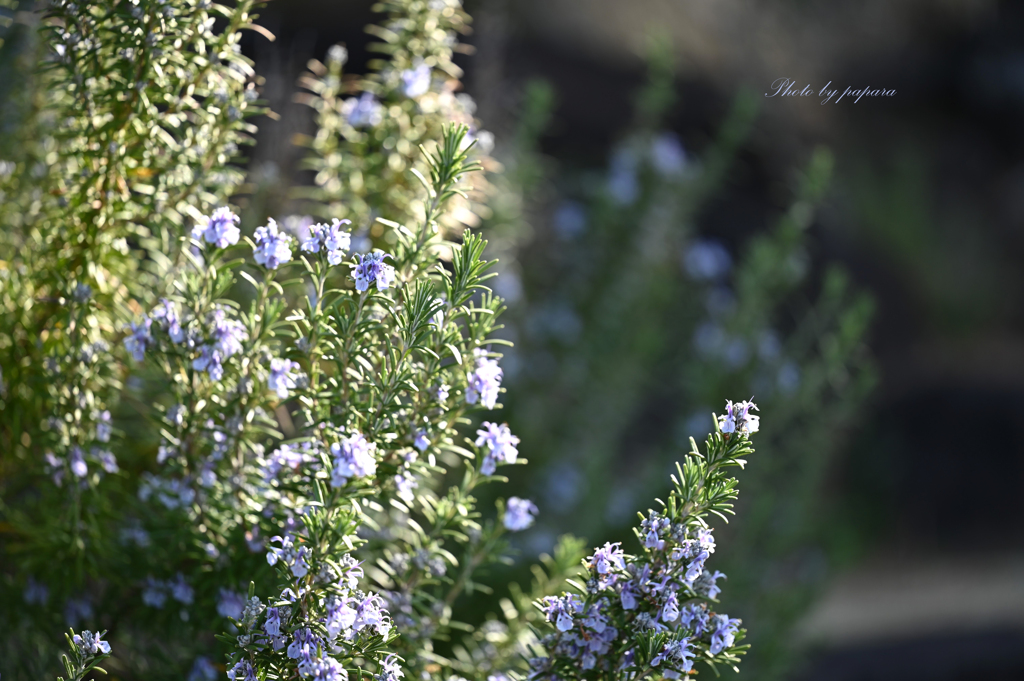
[(340, 615), (219, 229), (106, 460), (738, 418), (484, 380), (230, 604), (273, 246), (139, 339), (390, 669), (154, 594), (442, 392), (326, 669), (203, 670), (608, 558), (77, 460), (54, 468), (180, 590), (421, 441), (282, 378), (706, 585), (273, 624), (35, 593), (560, 610), (363, 112), (329, 238), (91, 644), (370, 612), (209, 360), (353, 458), (405, 485), (242, 671), (370, 269), (519, 514), (103, 426), (416, 81), (501, 445), (294, 558), (724, 634), (228, 334)]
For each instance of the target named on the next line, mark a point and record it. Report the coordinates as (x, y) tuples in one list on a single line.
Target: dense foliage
[(260, 449)]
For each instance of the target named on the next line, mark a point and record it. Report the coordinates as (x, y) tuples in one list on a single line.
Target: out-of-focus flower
[(416, 81), (273, 246), (484, 381), (219, 229), (519, 514), (364, 112)]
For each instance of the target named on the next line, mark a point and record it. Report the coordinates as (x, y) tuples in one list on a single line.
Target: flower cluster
[(484, 380), (329, 239), (156, 591), (226, 336), (371, 269), (219, 229), (272, 246), (352, 458), (500, 443), (90, 643), (737, 418), (87, 649), (662, 594)]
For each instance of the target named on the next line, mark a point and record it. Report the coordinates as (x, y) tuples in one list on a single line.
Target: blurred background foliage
[(669, 237)]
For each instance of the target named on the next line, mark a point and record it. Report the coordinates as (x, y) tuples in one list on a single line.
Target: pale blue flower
[(154, 594), (329, 238), (667, 154), (340, 615), (363, 112), (282, 377), (416, 81), (106, 459), (484, 381), (273, 624), (139, 339), (707, 260), (519, 514), (209, 360), (219, 229), (607, 558), (273, 246), (500, 443), (77, 460), (230, 604), (242, 671), (35, 593), (91, 644), (723, 633), (353, 458), (371, 269), (203, 670), (737, 418), (103, 426), (405, 484), (180, 590), (228, 334)]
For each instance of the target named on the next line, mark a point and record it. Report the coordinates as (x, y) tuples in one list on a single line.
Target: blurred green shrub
[(629, 325)]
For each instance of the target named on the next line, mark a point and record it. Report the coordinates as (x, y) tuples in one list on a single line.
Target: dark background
[(926, 212)]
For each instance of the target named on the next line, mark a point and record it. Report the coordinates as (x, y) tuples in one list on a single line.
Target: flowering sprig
[(88, 649), (652, 613)]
